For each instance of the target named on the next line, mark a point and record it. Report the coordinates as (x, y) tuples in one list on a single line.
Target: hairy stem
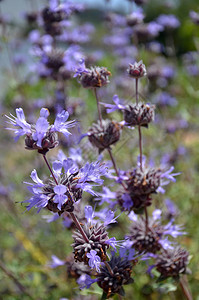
[(140, 146), (136, 90), (185, 289), (79, 227), (98, 106), (115, 166), (113, 161), (139, 127), (50, 169)]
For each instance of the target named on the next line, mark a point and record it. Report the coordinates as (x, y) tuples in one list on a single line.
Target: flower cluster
[(55, 43), (140, 185), (59, 195), (40, 136)]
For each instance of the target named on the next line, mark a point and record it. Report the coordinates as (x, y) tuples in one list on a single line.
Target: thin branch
[(185, 289), (79, 227), (50, 169), (98, 106)]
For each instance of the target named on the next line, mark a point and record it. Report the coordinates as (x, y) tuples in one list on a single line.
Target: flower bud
[(137, 70)]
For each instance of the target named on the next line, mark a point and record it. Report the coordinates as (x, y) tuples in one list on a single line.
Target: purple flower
[(81, 68), (168, 72), (42, 134), (60, 197), (172, 209), (116, 40), (127, 201), (108, 216), (112, 242), (41, 128), (92, 172), (164, 99), (169, 175), (22, 127), (72, 58), (194, 17), (154, 28), (89, 213), (72, 181), (85, 281), (155, 47), (112, 107), (94, 260), (56, 262), (168, 21), (61, 125), (156, 236), (106, 196)]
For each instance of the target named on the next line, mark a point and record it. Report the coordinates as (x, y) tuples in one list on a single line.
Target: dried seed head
[(140, 186), (95, 77), (172, 262), (73, 193), (139, 114), (137, 70), (104, 136), (97, 236), (146, 240), (114, 274)]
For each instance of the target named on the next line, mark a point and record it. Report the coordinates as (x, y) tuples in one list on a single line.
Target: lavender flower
[(57, 63), (41, 136), (194, 17), (85, 281), (168, 21), (111, 107), (165, 99), (153, 237), (71, 184), (94, 260), (141, 184), (56, 262), (135, 18)]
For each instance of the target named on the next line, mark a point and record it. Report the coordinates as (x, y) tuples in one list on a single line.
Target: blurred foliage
[(28, 241)]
